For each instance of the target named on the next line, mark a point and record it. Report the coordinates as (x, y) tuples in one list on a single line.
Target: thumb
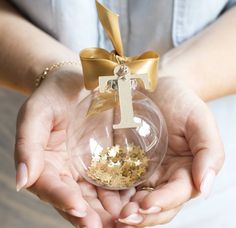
[(207, 148), (32, 133)]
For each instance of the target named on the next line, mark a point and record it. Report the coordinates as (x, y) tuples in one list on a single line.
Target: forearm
[(206, 63), (25, 50)]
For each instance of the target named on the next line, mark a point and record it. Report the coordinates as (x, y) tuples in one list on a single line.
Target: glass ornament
[(111, 158)]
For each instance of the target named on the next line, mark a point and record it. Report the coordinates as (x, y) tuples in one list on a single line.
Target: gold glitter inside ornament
[(118, 166)]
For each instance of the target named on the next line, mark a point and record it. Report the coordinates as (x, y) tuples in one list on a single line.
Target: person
[(197, 42)]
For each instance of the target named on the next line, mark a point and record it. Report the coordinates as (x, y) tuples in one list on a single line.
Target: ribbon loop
[(99, 62)]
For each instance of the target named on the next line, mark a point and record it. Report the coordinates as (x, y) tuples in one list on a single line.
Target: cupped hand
[(194, 157), (42, 162)]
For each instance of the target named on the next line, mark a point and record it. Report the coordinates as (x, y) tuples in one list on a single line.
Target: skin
[(188, 75), (194, 147)]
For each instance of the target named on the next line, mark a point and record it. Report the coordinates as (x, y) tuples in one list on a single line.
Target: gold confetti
[(118, 166)]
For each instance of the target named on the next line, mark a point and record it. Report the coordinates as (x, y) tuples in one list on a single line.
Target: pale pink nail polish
[(132, 219), (21, 176), (151, 210), (207, 183), (76, 213)]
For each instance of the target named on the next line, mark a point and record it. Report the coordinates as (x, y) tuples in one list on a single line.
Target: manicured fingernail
[(21, 176), (132, 219), (207, 183), (151, 210), (76, 213)]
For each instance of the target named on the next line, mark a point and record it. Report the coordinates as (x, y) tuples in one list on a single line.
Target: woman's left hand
[(194, 157)]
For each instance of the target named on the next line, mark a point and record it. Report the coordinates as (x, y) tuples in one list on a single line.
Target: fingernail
[(21, 176), (150, 210), (132, 219), (76, 213), (207, 183)]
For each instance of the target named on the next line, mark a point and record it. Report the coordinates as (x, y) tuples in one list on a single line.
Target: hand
[(194, 157), (44, 167)]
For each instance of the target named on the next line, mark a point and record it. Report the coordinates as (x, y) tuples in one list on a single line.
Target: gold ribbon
[(99, 62)]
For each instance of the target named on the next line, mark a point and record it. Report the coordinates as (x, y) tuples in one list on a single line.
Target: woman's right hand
[(42, 164)]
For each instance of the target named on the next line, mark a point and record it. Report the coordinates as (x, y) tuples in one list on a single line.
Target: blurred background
[(25, 210)]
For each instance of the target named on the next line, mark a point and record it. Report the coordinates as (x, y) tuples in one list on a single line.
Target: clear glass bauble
[(116, 159)]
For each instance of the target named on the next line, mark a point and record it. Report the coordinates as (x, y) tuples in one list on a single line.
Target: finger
[(130, 215), (139, 196), (160, 218), (111, 201), (177, 191), (89, 193), (132, 208), (91, 220), (207, 148), (126, 195), (123, 225), (148, 220), (96, 216), (32, 134), (62, 192)]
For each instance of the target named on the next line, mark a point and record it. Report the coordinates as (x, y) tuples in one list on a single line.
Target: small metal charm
[(122, 80)]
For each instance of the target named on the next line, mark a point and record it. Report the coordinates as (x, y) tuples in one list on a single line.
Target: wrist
[(65, 83), (181, 66), (54, 67), (40, 63)]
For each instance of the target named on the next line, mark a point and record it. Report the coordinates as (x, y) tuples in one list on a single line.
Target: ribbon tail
[(110, 23)]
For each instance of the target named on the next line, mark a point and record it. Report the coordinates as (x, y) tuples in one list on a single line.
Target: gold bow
[(99, 62)]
